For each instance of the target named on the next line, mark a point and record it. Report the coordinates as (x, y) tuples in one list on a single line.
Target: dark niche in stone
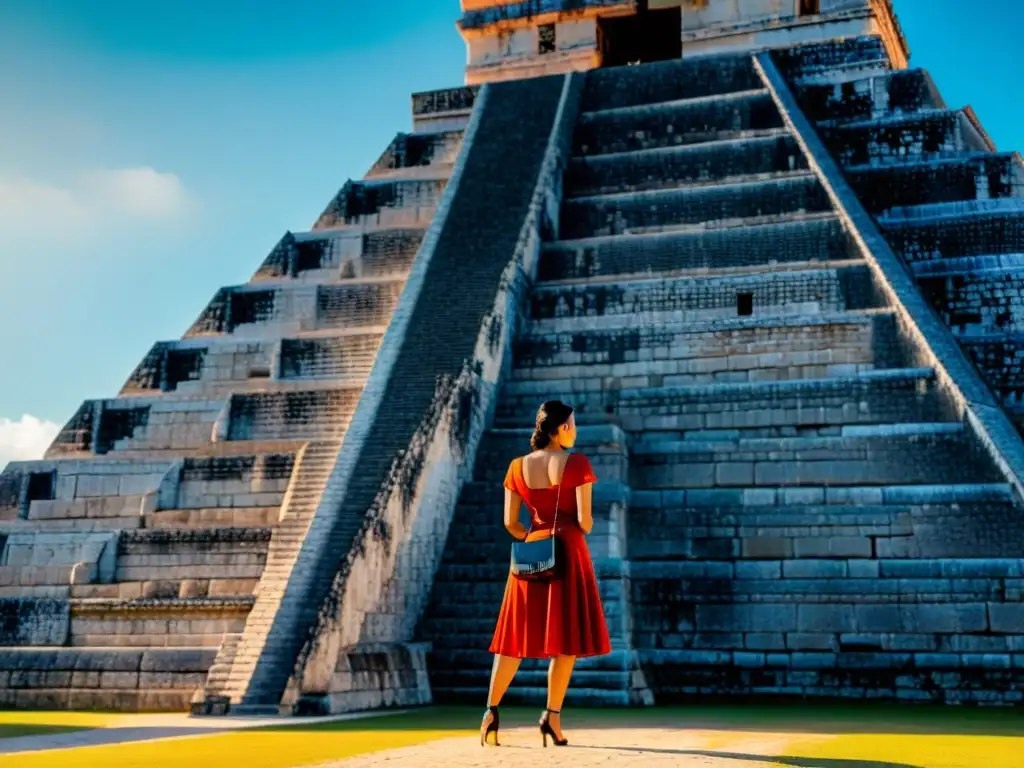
[(252, 307), (119, 424), (309, 255), (41, 486), (183, 365)]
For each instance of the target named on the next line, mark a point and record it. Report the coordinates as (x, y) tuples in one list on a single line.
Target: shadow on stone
[(795, 762)]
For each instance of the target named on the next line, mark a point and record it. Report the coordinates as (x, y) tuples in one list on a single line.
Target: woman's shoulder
[(580, 468)]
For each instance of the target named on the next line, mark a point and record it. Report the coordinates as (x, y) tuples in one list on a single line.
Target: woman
[(562, 619)]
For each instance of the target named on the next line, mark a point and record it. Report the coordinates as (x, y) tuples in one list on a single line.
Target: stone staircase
[(794, 500)]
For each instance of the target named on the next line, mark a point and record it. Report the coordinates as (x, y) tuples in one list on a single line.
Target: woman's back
[(543, 479)]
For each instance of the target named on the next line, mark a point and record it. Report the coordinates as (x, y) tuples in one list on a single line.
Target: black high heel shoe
[(546, 729), (487, 727)]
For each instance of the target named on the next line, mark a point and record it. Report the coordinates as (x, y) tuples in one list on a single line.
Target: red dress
[(563, 617)]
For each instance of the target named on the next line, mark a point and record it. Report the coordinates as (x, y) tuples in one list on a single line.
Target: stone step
[(1001, 360), (899, 92), (714, 297), (668, 81), (152, 679), (799, 406), (978, 234), (982, 304), (194, 584), (872, 456), (213, 517), (678, 354), (816, 531), (676, 123), (639, 212), (891, 189), (371, 201), (836, 61), (799, 238), (193, 622), (704, 163), (925, 135)]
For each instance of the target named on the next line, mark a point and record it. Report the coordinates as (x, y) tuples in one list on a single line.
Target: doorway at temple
[(649, 35)]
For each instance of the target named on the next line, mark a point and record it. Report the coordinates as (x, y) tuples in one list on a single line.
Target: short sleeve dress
[(540, 620)]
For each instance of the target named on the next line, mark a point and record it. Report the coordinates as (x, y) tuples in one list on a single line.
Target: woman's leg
[(504, 669), (558, 683)]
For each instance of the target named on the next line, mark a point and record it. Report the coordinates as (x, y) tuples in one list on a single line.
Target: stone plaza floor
[(717, 736)]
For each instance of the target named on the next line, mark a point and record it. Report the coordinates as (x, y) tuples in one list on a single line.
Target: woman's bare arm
[(583, 506), (513, 501)]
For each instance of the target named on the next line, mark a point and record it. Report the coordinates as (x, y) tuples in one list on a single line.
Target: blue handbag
[(541, 559)]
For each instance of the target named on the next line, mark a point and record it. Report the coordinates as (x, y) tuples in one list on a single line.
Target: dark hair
[(550, 416)]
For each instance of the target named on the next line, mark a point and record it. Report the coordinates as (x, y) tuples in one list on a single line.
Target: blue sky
[(148, 157)]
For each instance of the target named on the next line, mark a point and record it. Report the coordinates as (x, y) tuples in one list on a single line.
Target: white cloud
[(93, 201), (138, 191), (25, 439)]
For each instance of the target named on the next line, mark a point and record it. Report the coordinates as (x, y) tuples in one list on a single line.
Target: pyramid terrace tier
[(799, 407), (97, 495), (211, 365), (926, 454), (951, 237), (410, 154), (165, 425), (660, 210), (1001, 360), (377, 203), (798, 239), (834, 62), (143, 679), (259, 309), (334, 254), (918, 188), (743, 350), (983, 304), (926, 135), (670, 531), (901, 92)]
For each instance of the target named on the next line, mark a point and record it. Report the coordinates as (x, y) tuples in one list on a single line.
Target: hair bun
[(539, 440)]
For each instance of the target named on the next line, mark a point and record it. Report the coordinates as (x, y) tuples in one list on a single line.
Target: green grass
[(822, 736)]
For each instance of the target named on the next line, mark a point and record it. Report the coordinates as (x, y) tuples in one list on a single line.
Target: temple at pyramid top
[(510, 39)]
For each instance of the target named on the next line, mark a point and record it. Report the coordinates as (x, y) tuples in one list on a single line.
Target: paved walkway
[(143, 727), (609, 748)]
